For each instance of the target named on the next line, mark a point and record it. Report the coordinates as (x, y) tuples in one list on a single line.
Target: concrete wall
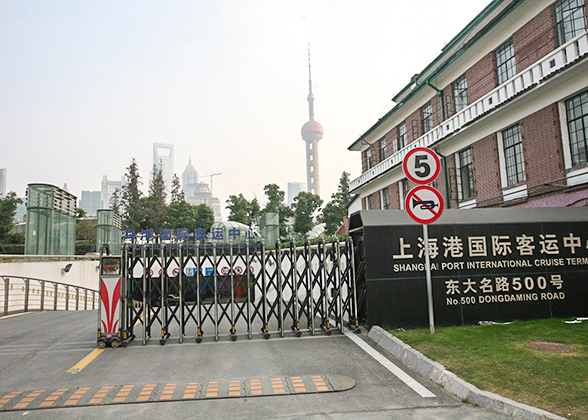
[(83, 273)]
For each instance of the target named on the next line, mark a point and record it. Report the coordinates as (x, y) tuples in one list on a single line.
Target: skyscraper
[(164, 154), (197, 193), (293, 189), (311, 132), (3, 182), (91, 202), (108, 188)]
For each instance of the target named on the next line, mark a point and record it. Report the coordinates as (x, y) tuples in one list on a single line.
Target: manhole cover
[(553, 347)]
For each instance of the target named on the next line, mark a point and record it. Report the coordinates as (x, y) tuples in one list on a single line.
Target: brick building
[(505, 105)]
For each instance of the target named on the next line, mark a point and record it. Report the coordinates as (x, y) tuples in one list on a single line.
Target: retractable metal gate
[(207, 290)]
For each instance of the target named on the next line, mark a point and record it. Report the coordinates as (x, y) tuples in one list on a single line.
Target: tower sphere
[(312, 127)]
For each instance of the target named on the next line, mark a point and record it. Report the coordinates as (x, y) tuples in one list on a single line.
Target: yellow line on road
[(85, 361)]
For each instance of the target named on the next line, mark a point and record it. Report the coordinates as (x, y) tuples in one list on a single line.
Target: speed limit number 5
[(421, 165)]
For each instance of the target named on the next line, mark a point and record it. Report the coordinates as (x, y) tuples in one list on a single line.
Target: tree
[(182, 215), (275, 198), (336, 209), (275, 204), (238, 206), (305, 205), (154, 215), (115, 201), (131, 195), (204, 217), (80, 213), (176, 190), (7, 211), (253, 211), (85, 228)]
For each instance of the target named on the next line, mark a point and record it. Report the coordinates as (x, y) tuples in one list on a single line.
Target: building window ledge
[(469, 204), (577, 176), (515, 193)]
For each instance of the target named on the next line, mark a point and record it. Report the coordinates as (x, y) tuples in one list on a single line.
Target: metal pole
[(124, 276), (310, 290), (326, 323), (163, 281), (43, 295), (337, 245), (280, 291), (247, 274), (181, 284), (296, 326), (232, 280), (429, 283), (26, 299), (265, 328), (215, 267), (198, 311), (145, 309), (6, 288)]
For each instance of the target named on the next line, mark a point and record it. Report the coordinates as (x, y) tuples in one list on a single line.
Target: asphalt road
[(38, 349)]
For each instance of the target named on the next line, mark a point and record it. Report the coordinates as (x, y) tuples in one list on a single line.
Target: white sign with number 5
[(421, 165)]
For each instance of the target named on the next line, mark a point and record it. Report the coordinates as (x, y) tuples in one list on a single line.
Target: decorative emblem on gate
[(109, 302)]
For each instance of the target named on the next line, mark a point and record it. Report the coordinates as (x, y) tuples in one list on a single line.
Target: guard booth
[(109, 311), (486, 265)]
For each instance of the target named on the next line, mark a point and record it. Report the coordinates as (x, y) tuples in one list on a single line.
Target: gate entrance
[(206, 291)]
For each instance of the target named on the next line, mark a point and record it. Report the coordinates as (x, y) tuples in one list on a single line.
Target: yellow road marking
[(85, 361)]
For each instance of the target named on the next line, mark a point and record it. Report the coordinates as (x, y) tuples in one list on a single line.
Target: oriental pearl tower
[(311, 132)]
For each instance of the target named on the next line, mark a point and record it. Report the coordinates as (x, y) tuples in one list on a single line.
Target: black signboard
[(486, 265)]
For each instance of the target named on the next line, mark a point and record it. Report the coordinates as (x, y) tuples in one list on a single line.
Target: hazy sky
[(85, 86)]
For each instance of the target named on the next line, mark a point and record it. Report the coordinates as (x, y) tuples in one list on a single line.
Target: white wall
[(82, 273)]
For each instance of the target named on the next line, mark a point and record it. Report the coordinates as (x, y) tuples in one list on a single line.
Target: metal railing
[(25, 294)]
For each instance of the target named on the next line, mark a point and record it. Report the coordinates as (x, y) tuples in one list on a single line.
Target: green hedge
[(82, 248), (12, 249)]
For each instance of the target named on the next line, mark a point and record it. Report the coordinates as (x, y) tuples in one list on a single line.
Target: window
[(427, 117), (385, 199), (382, 149), (460, 93), (368, 158), (370, 202), (505, 62), (401, 135), (577, 118), (513, 155), (569, 19), (403, 192), (465, 175)]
